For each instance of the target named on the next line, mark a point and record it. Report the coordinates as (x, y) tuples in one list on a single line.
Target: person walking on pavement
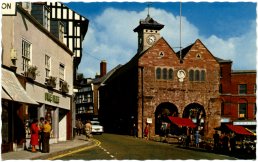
[(79, 127), (197, 138), (232, 142), (34, 139), (216, 141), (41, 134), (88, 129), (225, 143), (146, 131), (46, 137)]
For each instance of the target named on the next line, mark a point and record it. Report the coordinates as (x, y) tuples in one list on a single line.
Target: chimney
[(103, 68)]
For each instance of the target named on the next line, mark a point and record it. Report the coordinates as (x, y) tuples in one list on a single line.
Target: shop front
[(15, 103), (55, 107)]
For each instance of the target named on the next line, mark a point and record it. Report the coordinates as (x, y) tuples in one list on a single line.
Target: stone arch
[(164, 110), (197, 114)]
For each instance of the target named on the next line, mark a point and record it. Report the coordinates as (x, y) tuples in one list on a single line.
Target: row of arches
[(193, 111)]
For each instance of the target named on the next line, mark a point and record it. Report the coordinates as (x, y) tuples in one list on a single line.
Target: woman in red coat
[(34, 139)]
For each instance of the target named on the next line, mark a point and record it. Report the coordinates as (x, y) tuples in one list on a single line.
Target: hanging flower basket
[(51, 82), (32, 72)]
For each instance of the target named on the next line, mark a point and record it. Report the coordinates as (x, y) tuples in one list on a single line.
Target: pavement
[(56, 149)]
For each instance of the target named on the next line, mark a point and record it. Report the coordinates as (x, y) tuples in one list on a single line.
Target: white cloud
[(110, 37)]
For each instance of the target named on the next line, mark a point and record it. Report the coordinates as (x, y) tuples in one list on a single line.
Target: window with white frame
[(26, 54), (61, 74), (47, 65), (46, 18), (61, 31)]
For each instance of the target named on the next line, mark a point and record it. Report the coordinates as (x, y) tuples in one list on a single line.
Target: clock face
[(181, 74), (151, 39)]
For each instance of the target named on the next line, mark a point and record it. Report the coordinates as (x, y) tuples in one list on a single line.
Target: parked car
[(96, 127)]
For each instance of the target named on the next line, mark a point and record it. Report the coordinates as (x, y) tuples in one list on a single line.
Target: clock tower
[(148, 33)]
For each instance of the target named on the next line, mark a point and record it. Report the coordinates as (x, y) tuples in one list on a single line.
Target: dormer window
[(61, 31), (46, 18)]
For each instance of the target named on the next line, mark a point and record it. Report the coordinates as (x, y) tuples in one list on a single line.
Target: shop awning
[(184, 122), (14, 89), (5, 95), (238, 129)]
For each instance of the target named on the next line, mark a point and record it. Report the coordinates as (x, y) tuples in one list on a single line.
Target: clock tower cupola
[(148, 32)]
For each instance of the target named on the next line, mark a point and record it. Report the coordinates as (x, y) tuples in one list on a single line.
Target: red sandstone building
[(158, 82)]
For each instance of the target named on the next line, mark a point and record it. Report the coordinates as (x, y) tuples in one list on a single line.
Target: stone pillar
[(41, 111), (55, 127)]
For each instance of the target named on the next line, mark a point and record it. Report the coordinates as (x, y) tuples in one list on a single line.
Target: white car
[(96, 127)]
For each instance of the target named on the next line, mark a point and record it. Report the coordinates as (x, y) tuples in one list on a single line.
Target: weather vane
[(149, 3)]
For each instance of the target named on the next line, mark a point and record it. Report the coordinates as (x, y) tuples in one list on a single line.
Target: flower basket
[(65, 87), (32, 72), (51, 82)]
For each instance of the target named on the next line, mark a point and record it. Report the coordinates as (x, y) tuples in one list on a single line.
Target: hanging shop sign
[(51, 98)]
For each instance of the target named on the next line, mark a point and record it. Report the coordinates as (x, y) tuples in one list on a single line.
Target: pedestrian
[(134, 130), (225, 143), (232, 142), (216, 141), (88, 129), (146, 131), (41, 134), (78, 127), (46, 137), (197, 139), (34, 139)]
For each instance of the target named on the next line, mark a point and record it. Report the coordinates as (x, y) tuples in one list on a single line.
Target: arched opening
[(197, 114), (161, 115)]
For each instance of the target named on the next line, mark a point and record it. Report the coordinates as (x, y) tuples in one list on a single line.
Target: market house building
[(40, 65), (158, 82)]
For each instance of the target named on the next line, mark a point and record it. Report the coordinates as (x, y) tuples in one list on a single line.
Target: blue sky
[(228, 29)]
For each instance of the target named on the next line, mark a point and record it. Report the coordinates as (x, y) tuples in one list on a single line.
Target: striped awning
[(12, 89)]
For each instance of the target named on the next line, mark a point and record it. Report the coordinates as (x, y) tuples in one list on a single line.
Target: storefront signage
[(51, 98), (8, 8)]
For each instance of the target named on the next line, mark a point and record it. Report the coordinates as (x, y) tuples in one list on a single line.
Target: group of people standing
[(225, 142), (40, 135), (80, 127)]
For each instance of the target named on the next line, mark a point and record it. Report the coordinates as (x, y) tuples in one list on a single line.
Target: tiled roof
[(148, 23)]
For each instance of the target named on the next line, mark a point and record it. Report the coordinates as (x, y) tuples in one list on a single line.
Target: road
[(120, 147)]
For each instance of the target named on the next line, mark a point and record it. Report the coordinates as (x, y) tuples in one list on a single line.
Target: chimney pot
[(103, 68)]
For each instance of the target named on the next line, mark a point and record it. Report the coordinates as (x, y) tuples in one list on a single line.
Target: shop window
[(242, 88), (242, 110), (158, 73), (164, 73)]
